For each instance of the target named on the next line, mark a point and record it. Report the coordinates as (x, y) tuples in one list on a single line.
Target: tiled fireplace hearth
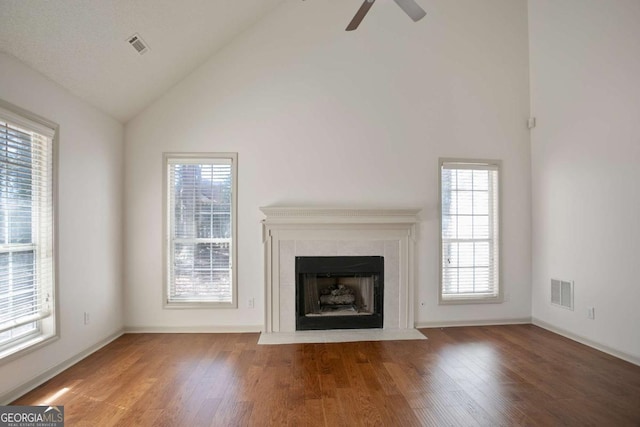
[(319, 232)]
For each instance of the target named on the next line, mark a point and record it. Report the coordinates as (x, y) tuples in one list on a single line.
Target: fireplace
[(339, 292), (292, 232)]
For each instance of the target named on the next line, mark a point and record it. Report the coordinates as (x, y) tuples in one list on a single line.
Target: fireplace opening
[(343, 292)]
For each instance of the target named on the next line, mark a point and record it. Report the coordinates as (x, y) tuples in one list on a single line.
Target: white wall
[(585, 83), (323, 117), (89, 225)]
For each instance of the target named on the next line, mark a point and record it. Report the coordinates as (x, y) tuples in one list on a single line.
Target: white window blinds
[(201, 229), (469, 231), (26, 229)]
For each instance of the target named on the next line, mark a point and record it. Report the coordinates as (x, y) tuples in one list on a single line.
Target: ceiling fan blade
[(360, 14), (412, 9)]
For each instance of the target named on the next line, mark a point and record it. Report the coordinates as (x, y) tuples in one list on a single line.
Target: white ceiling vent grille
[(562, 293), (138, 44)]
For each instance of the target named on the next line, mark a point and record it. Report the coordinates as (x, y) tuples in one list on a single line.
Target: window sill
[(198, 305), (462, 301)]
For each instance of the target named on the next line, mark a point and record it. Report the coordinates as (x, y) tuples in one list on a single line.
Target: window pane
[(449, 227), (466, 280), (15, 186), (450, 282), (481, 254), (202, 201), (450, 255), (18, 292), (465, 254), (481, 280), (481, 180), (465, 227), (465, 202), (481, 227), (448, 180), (202, 271), (481, 202), (464, 179)]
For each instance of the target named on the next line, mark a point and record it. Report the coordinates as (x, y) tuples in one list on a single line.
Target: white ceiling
[(82, 44)]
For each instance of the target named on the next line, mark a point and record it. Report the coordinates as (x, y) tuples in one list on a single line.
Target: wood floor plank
[(332, 413), (518, 375)]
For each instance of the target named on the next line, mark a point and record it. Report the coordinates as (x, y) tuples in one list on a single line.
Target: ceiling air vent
[(138, 44), (562, 293)]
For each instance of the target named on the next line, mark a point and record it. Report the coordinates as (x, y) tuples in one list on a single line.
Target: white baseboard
[(192, 329), (490, 322), (12, 395), (586, 341)]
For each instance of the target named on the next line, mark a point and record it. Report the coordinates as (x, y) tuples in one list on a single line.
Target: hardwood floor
[(468, 376)]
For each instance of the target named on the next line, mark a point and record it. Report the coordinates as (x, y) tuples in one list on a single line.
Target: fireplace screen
[(339, 292)]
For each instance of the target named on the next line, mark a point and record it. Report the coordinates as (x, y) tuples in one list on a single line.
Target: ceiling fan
[(410, 7)]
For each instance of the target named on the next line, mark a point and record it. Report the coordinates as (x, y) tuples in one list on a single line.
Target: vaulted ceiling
[(83, 44)]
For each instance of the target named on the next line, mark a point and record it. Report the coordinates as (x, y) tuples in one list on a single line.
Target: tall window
[(26, 232), (470, 231), (201, 230)]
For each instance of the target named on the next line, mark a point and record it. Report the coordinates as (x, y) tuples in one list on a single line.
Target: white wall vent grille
[(138, 44), (562, 293)]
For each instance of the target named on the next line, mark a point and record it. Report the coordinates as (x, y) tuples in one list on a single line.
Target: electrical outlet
[(251, 303), (591, 313), (87, 318)]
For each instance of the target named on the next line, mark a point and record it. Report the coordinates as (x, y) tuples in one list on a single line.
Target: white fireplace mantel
[(296, 231)]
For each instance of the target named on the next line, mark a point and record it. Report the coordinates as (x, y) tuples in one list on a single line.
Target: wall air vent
[(562, 293), (138, 44)]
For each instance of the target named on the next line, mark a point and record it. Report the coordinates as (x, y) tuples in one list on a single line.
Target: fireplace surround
[(289, 233)]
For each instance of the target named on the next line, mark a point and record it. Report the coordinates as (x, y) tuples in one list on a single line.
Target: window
[(201, 230), (27, 269), (470, 231)]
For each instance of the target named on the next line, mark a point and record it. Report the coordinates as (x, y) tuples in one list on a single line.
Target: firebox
[(339, 292)]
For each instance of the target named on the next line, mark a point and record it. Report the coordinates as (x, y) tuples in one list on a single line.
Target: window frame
[(48, 328), (192, 158), (482, 164)]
